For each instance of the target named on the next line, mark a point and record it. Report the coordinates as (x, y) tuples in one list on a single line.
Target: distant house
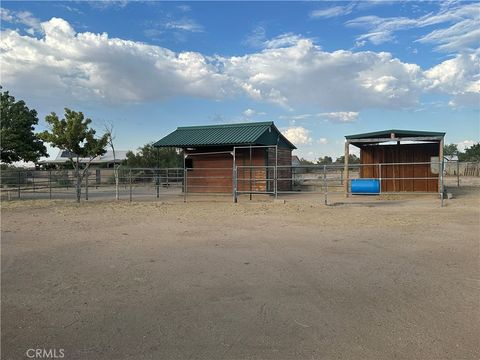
[(105, 161)]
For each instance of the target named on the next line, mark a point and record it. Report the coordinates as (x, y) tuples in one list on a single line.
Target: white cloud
[(323, 141), (459, 77), (341, 116), (333, 11), (462, 31), (96, 67), (292, 71), (465, 144), (249, 112), (185, 25), (108, 4), (340, 80), (256, 38), (297, 135), (284, 40), (21, 17)]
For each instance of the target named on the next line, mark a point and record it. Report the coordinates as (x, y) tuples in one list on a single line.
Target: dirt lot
[(396, 279)]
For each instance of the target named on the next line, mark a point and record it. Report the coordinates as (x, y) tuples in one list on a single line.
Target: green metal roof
[(398, 134), (255, 133)]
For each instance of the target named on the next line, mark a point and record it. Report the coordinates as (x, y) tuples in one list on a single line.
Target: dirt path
[(103, 280)]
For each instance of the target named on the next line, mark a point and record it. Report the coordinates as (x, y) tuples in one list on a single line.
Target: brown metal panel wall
[(210, 173), (284, 158), (404, 153), (254, 177)]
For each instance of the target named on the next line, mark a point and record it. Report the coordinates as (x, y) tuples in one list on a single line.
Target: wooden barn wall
[(403, 153), (213, 172)]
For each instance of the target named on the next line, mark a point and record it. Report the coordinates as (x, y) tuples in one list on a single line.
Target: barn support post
[(380, 176), (441, 183), (250, 172), (184, 185), (345, 170), (440, 159), (184, 176), (234, 176), (276, 171)]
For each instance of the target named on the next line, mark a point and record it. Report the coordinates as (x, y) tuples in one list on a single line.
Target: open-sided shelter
[(213, 152), (403, 160)]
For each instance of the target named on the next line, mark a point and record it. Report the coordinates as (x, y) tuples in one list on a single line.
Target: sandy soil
[(386, 279)]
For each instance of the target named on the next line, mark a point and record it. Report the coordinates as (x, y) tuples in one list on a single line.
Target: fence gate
[(254, 170)]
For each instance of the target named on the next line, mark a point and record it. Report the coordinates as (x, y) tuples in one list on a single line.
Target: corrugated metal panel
[(398, 133), (218, 135)]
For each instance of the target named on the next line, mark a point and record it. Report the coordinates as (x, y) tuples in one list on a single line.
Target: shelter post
[(345, 170), (440, 158)]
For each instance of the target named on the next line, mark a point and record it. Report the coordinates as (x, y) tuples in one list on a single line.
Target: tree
[(74, 135), (110, 138), (17, 139), (148, 156), (352, 159), (326, 160), (471, 154), (304, 161), (450, 149)]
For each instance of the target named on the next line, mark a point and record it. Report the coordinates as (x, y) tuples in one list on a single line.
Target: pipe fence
[(240, 181)]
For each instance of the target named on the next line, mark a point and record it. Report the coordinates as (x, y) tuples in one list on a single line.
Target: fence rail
[(181, 183)]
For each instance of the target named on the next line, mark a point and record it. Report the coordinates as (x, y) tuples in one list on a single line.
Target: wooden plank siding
[(212, 173), (392, 174)]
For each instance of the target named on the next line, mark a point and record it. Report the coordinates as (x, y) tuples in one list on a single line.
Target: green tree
[(326, 160), (471, 154), (74, 135), (352, 159), (450, 149), (17, 139), (149, 156), (304, 161)]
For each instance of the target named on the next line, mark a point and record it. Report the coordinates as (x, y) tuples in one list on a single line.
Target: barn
[(250, 157), (402, 160)]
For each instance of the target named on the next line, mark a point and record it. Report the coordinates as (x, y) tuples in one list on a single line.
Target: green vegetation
[(17, 139), (73, 134), (149, 156), (470, 154)]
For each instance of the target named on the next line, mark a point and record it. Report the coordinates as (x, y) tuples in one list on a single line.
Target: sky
[(320, 70)]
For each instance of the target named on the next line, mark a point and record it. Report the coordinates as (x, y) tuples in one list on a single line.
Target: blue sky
[(320, 70)]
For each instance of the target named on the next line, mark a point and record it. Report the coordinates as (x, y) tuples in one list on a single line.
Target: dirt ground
[(380, 279)]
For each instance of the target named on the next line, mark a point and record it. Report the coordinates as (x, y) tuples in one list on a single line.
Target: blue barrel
[(365, 186)]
